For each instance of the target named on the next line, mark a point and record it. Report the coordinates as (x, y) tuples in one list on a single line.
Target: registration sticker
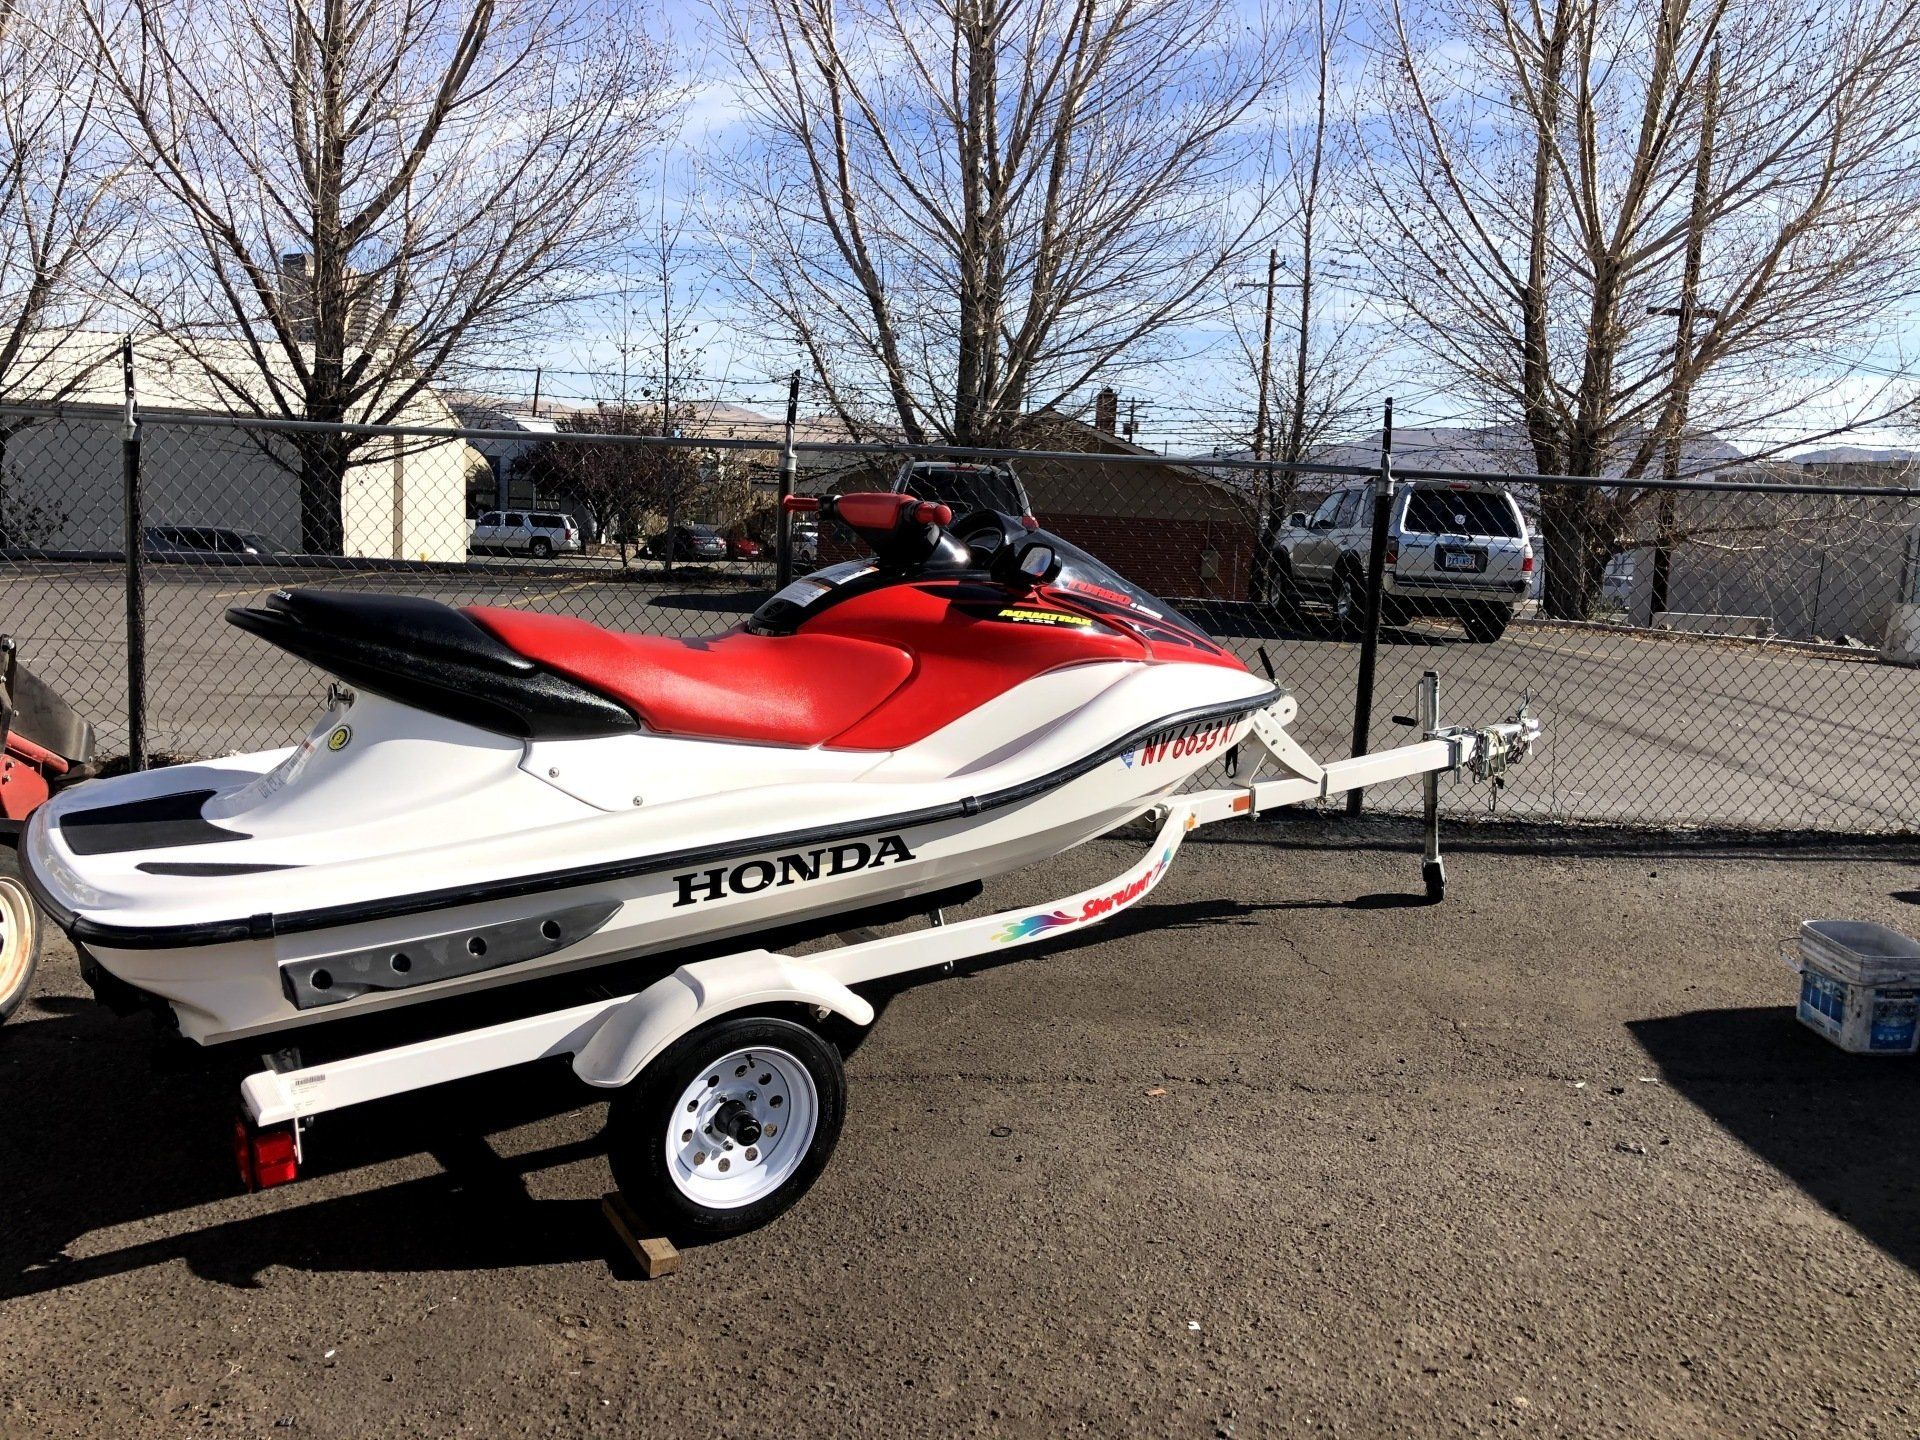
[(809, 588)]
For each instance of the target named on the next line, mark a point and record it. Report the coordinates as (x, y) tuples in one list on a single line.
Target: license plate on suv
[(1471, 561)]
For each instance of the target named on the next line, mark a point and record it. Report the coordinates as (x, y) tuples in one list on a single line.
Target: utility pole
[(536, 390), (789, 469), (1684, 314), (1266, 360)]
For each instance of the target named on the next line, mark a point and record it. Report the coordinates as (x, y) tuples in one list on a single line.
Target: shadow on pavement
[(105, 1130), (740, 602), (98, 1135), (1243, 620), (1839, 1126)]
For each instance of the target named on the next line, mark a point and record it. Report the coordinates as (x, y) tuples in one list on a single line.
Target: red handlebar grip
[(800, 504), (932, 512)]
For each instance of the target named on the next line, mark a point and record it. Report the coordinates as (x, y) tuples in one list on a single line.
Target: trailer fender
[(632, 1036)]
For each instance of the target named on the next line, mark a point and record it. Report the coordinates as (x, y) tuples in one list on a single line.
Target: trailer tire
[(22, 929), (687, 1138)]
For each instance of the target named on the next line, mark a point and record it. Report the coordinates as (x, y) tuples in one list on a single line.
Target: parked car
[(206, 542), (964, 487), (1457, 549), (804, 538), (741, 546), (688, 542), (539, 533)]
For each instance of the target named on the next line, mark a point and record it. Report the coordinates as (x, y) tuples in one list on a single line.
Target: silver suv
[(1456, 549), (539, 533)]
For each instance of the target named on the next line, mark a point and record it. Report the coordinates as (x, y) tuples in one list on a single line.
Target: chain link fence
[(1730, 653)]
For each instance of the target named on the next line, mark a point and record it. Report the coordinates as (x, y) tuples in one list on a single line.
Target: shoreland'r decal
[(751, 876), (1027, 926)]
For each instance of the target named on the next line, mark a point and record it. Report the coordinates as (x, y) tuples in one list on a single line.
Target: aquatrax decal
[(1027, 926)]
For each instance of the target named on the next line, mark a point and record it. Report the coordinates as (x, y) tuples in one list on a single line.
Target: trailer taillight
[(265, 1157)]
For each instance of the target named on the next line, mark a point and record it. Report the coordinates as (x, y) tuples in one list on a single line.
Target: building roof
[(81, 368)]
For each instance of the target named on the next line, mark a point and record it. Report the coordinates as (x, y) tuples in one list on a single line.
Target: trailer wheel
[(20, 934), (728, 1128)]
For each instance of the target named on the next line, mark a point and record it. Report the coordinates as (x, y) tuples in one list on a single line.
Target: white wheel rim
[(773, 1090), (18, 926)]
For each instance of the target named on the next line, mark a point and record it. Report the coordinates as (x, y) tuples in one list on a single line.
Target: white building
[(403, 498)]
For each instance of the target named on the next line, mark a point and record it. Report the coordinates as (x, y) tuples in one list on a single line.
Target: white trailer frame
[(612, 1040)]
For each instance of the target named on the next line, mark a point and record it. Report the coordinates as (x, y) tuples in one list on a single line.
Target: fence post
[(136, 569), (789, 467), (1376, 570)]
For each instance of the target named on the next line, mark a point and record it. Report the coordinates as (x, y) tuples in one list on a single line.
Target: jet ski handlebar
[(863, 511), (904, 530)]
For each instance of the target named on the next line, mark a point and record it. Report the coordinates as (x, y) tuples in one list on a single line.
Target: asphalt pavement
[(1282, 1151)]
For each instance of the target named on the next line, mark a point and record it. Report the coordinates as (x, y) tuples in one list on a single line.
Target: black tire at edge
[(10, 865), (1486, 623)]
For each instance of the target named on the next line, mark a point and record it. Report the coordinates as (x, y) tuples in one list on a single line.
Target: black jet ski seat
[(426, 654)]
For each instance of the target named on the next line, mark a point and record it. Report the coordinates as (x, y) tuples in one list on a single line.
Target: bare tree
[(1554, 182), (1308, 356), (961, 210), (620, 485), (368, 190), (64, 212)]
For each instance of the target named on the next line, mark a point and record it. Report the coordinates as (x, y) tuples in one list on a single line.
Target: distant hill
[(1852, 455), (1490, 450)]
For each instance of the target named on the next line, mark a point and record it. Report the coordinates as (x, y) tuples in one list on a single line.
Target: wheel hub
[(742, 1127), (736, 1121)]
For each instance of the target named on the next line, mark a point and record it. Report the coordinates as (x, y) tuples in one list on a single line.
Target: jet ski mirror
[(1034, 564)]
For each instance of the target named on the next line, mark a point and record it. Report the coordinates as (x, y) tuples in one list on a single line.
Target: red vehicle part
[(794, 690), (265, 1157), (28, 773)]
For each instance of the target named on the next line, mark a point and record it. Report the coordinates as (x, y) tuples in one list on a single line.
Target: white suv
[(539, 533), (1456, 548)]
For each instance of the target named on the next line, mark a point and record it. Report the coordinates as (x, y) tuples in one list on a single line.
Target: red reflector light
[(265, 1157), (1526, 565), (1029, 522)]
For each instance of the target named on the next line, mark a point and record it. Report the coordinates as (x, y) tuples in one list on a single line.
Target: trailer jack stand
[(1433, 870), (1484, 754)]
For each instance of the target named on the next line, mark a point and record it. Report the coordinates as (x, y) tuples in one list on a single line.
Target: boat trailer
[(612, 1040)]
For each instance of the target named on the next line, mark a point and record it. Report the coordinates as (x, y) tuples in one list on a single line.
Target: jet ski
[(494, 795)]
